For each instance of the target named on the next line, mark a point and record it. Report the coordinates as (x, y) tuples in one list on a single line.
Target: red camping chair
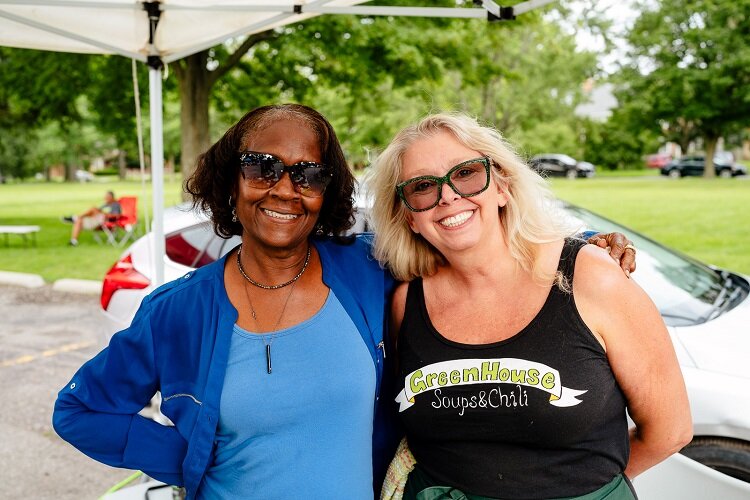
[(119, 229)]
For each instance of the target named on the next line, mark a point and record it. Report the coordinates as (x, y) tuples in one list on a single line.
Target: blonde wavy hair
[(529, 218)]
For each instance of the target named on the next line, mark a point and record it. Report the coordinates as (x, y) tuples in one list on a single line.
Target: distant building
[(600, 103)]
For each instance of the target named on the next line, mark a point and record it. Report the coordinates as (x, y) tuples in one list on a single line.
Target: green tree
[(353, 69), (689, 69), (86, 101), (371, 76), (35, 89), (112, 103), (13, 151), (523, 78), (618, 143), (360, 57)]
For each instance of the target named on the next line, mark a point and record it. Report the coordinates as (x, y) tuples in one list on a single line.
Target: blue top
[(113, 208), (178, 343), (309, 434)]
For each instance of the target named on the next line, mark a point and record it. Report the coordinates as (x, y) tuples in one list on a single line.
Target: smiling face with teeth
[(456, 223), (280, 218)]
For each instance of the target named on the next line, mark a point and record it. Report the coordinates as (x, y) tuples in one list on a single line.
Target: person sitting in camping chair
[(94, 217)]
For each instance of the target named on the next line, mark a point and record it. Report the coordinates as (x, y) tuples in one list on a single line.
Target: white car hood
[(179, 216), (721, 345)]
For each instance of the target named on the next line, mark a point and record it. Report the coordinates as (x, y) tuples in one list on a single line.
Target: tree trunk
[(685, 135), (70, 166), (196, 81), (70, 157), (70, 171), (122, 166), (708, 171), (195, 88)]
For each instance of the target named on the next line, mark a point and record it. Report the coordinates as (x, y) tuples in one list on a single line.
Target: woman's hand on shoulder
[(641, 355), (620, 249)]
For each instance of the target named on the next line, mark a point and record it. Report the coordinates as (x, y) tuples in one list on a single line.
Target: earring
[(234, 210), (319, 230)]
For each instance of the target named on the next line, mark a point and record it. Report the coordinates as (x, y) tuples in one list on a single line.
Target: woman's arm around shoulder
[(641, 355), (398, 308)]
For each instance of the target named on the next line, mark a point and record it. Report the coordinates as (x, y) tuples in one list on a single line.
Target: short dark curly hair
[(217, 172)]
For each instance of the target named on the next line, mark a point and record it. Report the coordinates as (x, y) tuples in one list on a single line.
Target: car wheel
[(571, 174), (728, 456), (725, 173), (675, 174)]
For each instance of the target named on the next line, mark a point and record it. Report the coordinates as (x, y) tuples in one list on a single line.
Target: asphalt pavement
[(46, 333)]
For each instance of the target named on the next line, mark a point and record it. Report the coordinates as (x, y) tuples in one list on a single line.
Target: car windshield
[(685, 291), (725, 157), (567, 159)]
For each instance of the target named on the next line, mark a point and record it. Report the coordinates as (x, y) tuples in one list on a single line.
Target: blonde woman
[(519, 348)]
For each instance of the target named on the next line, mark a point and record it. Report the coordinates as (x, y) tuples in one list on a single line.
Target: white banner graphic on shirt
[(487, 371)]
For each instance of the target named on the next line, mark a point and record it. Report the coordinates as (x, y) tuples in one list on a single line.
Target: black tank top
[(538, 415)]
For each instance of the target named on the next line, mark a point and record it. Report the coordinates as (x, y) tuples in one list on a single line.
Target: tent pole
[(157, 173)]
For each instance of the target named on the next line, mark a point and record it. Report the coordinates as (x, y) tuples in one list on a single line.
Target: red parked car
[(658, 160)]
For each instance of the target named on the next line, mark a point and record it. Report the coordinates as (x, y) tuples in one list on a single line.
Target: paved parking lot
[(45, 336)]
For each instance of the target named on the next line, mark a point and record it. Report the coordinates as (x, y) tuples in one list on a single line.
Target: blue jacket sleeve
[(585, 235), (97, 411)]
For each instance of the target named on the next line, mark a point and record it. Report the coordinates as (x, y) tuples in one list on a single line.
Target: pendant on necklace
[(268, 357)]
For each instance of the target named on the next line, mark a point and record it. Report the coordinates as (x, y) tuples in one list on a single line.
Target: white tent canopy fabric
[(122, 27), (164, 31), (185, 26)]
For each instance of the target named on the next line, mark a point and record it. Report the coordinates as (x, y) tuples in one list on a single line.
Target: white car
[(706, 309), (84, 176), (190, 243)]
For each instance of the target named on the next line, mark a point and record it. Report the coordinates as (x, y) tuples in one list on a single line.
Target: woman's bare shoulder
[(596, 272)]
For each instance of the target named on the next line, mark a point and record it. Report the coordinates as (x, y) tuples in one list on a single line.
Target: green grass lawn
[(42, 204), (650, 172), (706, 219), (709, 220)]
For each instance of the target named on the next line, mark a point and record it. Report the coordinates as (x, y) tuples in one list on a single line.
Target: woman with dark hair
[(270, 360), (212, 181)]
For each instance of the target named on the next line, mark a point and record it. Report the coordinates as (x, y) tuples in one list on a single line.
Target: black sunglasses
[(263, 171), (467, 179)]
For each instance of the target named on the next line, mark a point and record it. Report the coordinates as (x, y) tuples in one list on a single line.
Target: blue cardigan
[(178, 344)]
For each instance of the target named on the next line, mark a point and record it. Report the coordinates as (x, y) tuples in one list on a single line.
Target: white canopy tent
[(160, 32)]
